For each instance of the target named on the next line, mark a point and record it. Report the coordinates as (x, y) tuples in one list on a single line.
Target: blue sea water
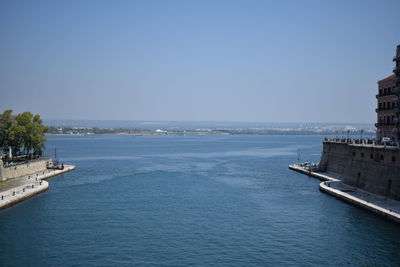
[(190, 200)]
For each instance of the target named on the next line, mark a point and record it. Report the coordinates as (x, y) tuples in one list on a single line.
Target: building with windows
[(371, 165), (388, 108)]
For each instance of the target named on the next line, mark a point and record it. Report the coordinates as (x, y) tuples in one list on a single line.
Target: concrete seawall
[(51, 173), (15, 171), (322, 177), (25, 187), (332, 184), (386, 213), (370, 167), (18, 194)]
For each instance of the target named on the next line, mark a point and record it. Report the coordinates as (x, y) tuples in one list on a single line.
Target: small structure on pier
[(55, 164)]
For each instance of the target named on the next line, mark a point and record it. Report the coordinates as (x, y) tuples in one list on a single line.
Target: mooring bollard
[(40, 183), (2, 197), (13, 193), (33, 186), (23, 190)]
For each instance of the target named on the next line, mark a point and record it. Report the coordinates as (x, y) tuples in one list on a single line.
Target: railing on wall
[(363, 142), (8, 164)]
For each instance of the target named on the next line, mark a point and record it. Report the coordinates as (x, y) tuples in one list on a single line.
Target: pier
[(332, 185), (18, 189)]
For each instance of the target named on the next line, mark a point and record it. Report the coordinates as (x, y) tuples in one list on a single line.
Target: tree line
[(24, 133)]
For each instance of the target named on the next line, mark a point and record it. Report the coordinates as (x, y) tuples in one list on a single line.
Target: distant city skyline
[(185, 125), (239, 61)]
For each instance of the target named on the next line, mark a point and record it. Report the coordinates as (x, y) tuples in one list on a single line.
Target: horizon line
[(200, 121)]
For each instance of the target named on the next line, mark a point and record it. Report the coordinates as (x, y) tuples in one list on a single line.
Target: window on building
[(362, 155), (354, 153), (380, 105), (393, 159), (385, 91), (371, 156), (382, 157), (380, 92)]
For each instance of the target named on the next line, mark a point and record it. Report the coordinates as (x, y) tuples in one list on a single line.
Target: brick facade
[(388, 104)]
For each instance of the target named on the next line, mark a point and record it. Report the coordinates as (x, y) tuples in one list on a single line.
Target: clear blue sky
[(271, 61)]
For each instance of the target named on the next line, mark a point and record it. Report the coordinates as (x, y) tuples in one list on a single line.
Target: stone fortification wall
[(371, 168), (32, 167)]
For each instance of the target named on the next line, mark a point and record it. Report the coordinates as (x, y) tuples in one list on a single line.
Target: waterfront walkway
[(332, 185), (322, 176), (15, 190)]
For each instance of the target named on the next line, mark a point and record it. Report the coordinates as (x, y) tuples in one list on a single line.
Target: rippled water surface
[(190, 200)]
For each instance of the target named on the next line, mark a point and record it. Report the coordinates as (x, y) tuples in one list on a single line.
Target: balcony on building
[(384, 92), (391, 108), (382, 124)]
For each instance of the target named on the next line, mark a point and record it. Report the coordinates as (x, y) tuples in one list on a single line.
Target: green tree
[(16, 136), (38, 131), (6, 122), (23, 131)]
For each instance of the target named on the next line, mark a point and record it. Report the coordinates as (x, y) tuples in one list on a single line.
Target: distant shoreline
[(203, 134), (338, 130)]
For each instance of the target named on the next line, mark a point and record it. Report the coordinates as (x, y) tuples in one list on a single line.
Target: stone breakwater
[(332, 185), (18, 189)]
